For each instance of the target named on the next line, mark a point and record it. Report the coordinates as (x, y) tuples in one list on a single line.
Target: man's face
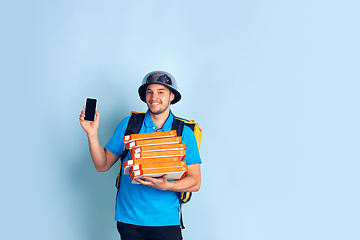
[(158, 98)]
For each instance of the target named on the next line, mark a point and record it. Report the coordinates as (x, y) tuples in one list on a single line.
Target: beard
[(161, 110)]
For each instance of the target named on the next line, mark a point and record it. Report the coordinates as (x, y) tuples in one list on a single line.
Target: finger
[(139, 180), (97, 115), (148, 179), (151, 179), (143, 182), (165, 177), (82, 113), (82, 118), (156, 180)]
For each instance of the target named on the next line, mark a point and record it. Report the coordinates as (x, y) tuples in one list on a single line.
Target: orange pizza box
[(129, 163), (158, 165), (162, 147), (142, 136), (155, 141), (173, 173), (171, 153)]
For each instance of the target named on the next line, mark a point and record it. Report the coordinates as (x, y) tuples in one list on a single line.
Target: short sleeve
[(116, 144)]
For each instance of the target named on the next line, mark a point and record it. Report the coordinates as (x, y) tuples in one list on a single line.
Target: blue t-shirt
[(143, 205)]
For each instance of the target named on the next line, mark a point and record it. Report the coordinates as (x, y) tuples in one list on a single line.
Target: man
[(149, 210)]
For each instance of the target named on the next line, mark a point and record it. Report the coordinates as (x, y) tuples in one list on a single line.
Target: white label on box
[(135, 167), (130, 162), (127, 138), (132, 144), (137, 155), (137, 150), (136, 173)]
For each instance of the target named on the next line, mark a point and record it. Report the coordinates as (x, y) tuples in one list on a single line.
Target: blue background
[(273, 84)]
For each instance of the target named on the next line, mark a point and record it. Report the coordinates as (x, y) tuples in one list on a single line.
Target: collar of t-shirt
[(150, 124)]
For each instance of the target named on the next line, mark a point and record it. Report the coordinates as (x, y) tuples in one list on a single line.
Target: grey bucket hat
[(159, 77)]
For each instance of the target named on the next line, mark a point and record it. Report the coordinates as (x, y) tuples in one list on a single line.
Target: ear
[(172, 96)]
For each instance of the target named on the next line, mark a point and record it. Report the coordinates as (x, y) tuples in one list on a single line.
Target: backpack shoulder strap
[(133, 127), (135, 122), (178, 125)]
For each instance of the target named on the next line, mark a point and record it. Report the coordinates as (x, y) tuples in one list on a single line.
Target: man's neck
[(159, 119)]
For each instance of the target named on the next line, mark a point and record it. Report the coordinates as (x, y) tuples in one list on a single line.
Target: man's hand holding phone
[(89, 117)]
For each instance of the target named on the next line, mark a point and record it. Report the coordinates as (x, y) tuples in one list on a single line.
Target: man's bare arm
[(103, 159)]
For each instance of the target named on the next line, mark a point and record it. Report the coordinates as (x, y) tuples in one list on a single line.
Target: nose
[(154, 95)]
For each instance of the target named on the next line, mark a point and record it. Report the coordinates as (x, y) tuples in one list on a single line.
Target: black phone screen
[(90, 109)]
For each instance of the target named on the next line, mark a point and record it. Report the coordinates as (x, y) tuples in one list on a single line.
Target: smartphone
[(90, 109)]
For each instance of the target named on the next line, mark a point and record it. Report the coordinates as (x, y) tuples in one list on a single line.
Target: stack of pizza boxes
[(154, 155)]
